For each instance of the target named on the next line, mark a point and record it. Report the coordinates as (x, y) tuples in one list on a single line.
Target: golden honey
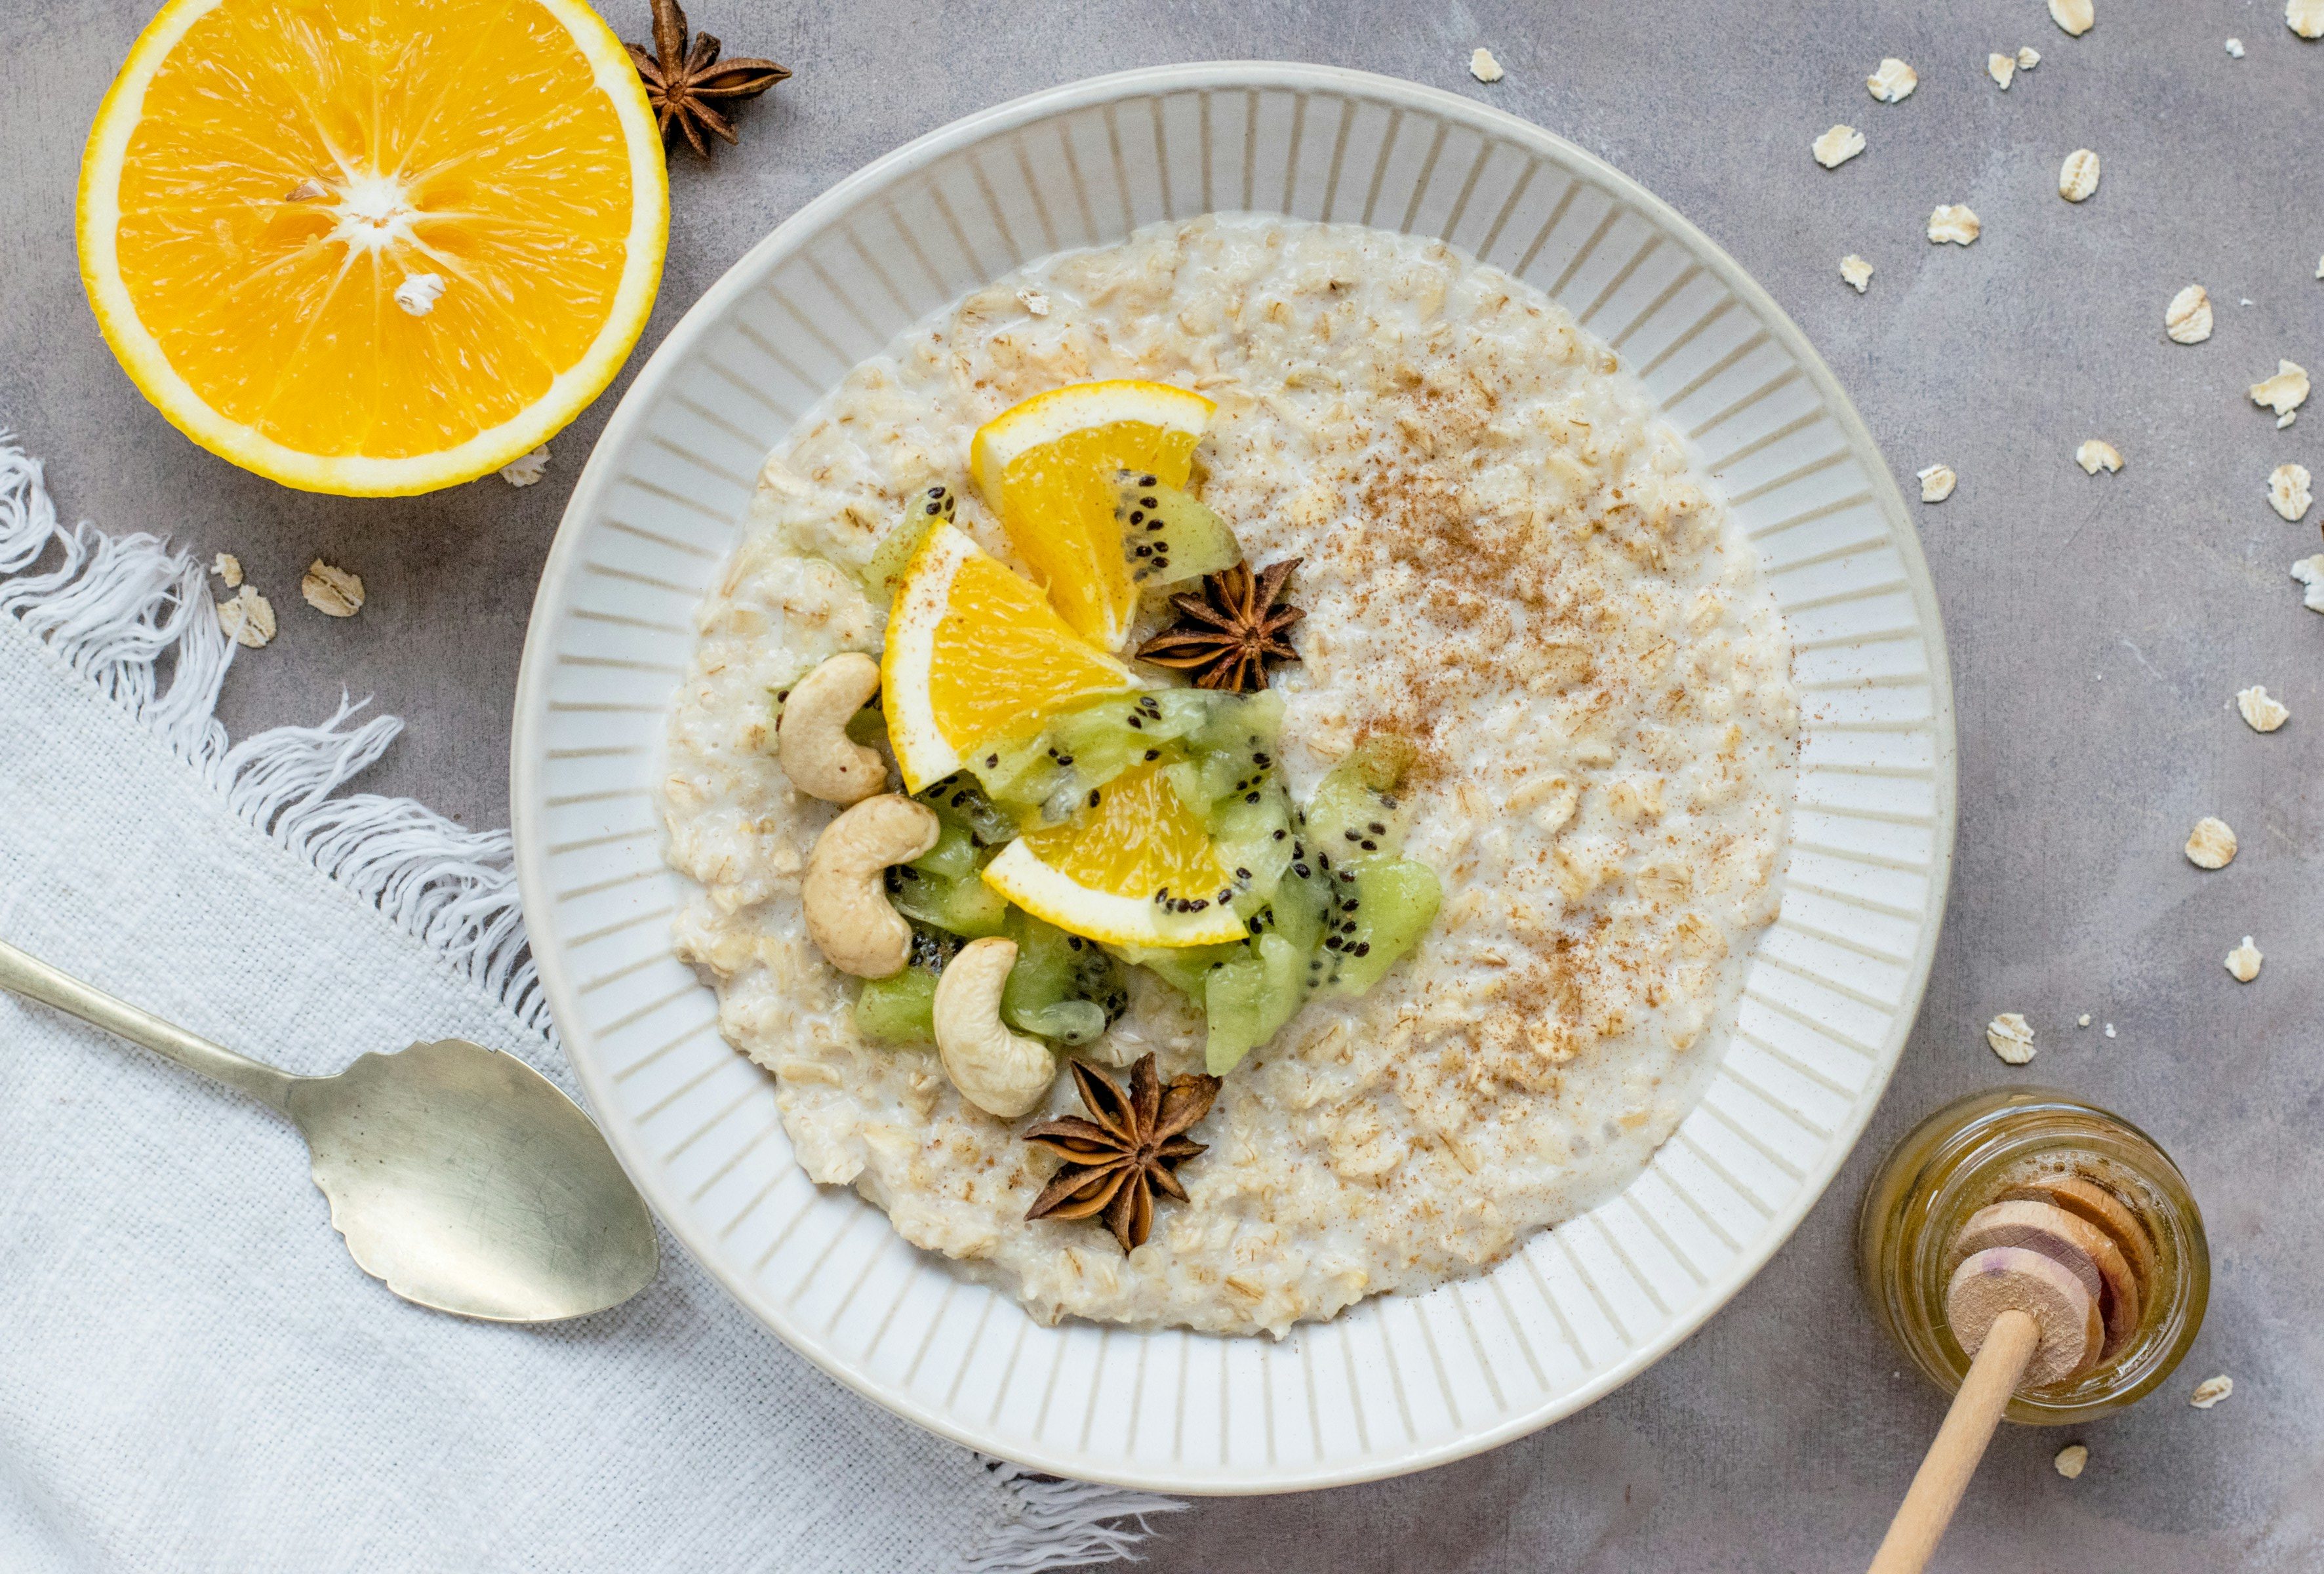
[(1971, 1152)]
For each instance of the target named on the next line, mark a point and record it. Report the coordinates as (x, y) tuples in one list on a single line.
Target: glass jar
[(1971, 1152)]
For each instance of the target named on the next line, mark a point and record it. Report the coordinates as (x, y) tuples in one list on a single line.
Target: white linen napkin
[(194, 1375)]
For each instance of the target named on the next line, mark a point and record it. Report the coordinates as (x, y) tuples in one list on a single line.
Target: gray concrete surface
[(2100, 630)]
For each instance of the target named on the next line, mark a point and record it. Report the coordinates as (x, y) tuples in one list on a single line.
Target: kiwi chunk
[(1168, 534), (1250, 999), (953, 857), (1296, 911), (1046, 775), (1063, 987), (1360, 812), (944, 887), (959, 800), (966, 907), (1183, 967), (893, 555), (899, 1009), (1379, 913)]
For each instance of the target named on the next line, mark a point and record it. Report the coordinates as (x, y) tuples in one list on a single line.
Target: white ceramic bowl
[(1397, 1383)]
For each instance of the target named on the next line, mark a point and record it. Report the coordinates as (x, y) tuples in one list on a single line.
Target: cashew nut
[(811, 739), (846, 909), (1000, 1072)]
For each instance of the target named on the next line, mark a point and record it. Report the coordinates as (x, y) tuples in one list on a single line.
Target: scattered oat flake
[(247, 617), (2288, 493), (2083, 1021), (2264, 712), (1484, 66), (2310, 571), (1034, 301), (2305, 17), (1937, 483), (2235, 49), (331, 591), (2188, 318), (2001, 68), (2285, 392), (1894, 82), (1952, 221), (2028, 57), (2210, 1390), (2244, 961), (2011, 1038), (2078, 177), (2074, 16), (2097, 455), (2212, 845), (1837, 146), (526, 469), (2069, 1459), (1857, 271), (227, 567)]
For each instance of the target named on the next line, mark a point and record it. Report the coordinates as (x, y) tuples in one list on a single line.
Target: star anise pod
[(1227, 635), (1116, 1161), (687, 85)]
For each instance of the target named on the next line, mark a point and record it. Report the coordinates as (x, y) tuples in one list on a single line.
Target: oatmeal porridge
[(1507, 568)]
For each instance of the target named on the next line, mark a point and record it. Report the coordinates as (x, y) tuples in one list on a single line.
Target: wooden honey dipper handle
[(1943, 1475), (2026, 1319)]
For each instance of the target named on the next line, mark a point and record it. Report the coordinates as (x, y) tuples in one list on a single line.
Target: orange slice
[(1047, 467), (1136, 869), (372, 246), (975, 653)]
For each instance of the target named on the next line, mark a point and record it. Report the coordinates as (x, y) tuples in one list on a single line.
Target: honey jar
[(2025, 1142)]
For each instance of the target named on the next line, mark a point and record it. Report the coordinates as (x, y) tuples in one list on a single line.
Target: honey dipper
[(2044, 1285)]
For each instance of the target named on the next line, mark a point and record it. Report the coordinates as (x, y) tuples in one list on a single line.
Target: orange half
[(372, 246)]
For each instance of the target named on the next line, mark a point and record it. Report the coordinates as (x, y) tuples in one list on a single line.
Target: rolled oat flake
[(2010, 1037), (2288, 491), (1837, 146), (247, 617), (2212, 845), (2188, 318), (1953, 221), (2078, 177), (331, 591), (1894, 82)]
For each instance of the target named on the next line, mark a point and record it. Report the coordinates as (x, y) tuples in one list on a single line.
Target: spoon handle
[(36, 980)]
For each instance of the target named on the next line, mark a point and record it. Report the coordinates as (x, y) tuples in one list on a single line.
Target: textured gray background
[(2099, 629)]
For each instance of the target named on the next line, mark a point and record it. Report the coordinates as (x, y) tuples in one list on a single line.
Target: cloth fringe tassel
[(121, 610)]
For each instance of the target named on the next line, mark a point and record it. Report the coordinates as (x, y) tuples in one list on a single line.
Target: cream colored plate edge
[(1397, 1384)]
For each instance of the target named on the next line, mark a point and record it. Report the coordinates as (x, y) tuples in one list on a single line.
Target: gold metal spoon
[(461, 1177)]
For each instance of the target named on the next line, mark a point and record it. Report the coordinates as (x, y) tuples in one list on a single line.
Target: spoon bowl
[(461, 1177), (467, 1181)]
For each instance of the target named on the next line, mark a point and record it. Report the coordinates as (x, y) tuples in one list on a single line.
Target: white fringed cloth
[(194, 1375)]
